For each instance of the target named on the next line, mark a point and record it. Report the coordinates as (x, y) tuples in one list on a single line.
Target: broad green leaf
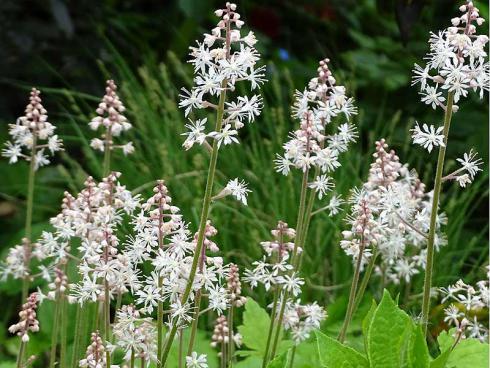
[(255, 326), (250, 362), (307, 355), (279, 361), (441, 360), (366, 322), (468, 353), (389, 335), (333, 354), (418, 356)]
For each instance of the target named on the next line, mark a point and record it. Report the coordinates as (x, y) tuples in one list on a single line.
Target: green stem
[(107, 321), (181, 349), (192, 336), (230, 337), (352, 294), (55, 331), (365, 280), (202, 224), (293, 354), (279, 325), (29, 210), (77, 336), (433, 214), (20, 357), (131, 364), (63, 331), (294, 259), (271, 328), (159, 323)]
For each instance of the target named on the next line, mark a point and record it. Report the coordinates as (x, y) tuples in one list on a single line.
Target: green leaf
[(389, 335), (335, 355), (468, 353), (366, 322), (418, 356), (279, 361), (250, 362), (255, 326)]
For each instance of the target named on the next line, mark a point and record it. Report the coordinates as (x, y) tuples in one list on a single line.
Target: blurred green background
[(68, 49)]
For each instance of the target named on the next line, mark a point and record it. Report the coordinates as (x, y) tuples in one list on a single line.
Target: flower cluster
[(302, 319), (311, 145), (135, 334), (95, 356), (390, 217), (28, 321), (455, 65), (273, 271), (111, 118), (467, 303), (28, 133), (222, 59), (94, 217)]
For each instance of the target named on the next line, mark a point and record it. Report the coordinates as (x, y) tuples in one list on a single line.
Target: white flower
[(238, 189), (322, 185), (471, 163), (291, 283), (334, 205), (12, 152), (195, 133), (428, 137), (431, 96), (127, 148), (196, 361), (226, 136)]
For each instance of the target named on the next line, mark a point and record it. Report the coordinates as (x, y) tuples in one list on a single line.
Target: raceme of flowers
[(311, 146), (390, 215), (33, 137), (467, 305), (111, 119), (273, 271), (225, 57), (456, 64)]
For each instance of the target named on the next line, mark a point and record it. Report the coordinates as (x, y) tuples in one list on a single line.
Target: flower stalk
[(433, 214)]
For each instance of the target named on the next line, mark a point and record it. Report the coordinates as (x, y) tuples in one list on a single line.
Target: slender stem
[(433, 214), (55, 331), (301, 214), (271, 328), (279, 324), (293, 354), (143, 362), (181, 348), (63, 331), (192, 336), (197, 306), (106, 168), (131, 364), (365, 280), (29, 210), (352, 294), (78, 334), (107, 321), (230, 338), (20, 357), (159, 322), (295, 258), (202, 224)]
